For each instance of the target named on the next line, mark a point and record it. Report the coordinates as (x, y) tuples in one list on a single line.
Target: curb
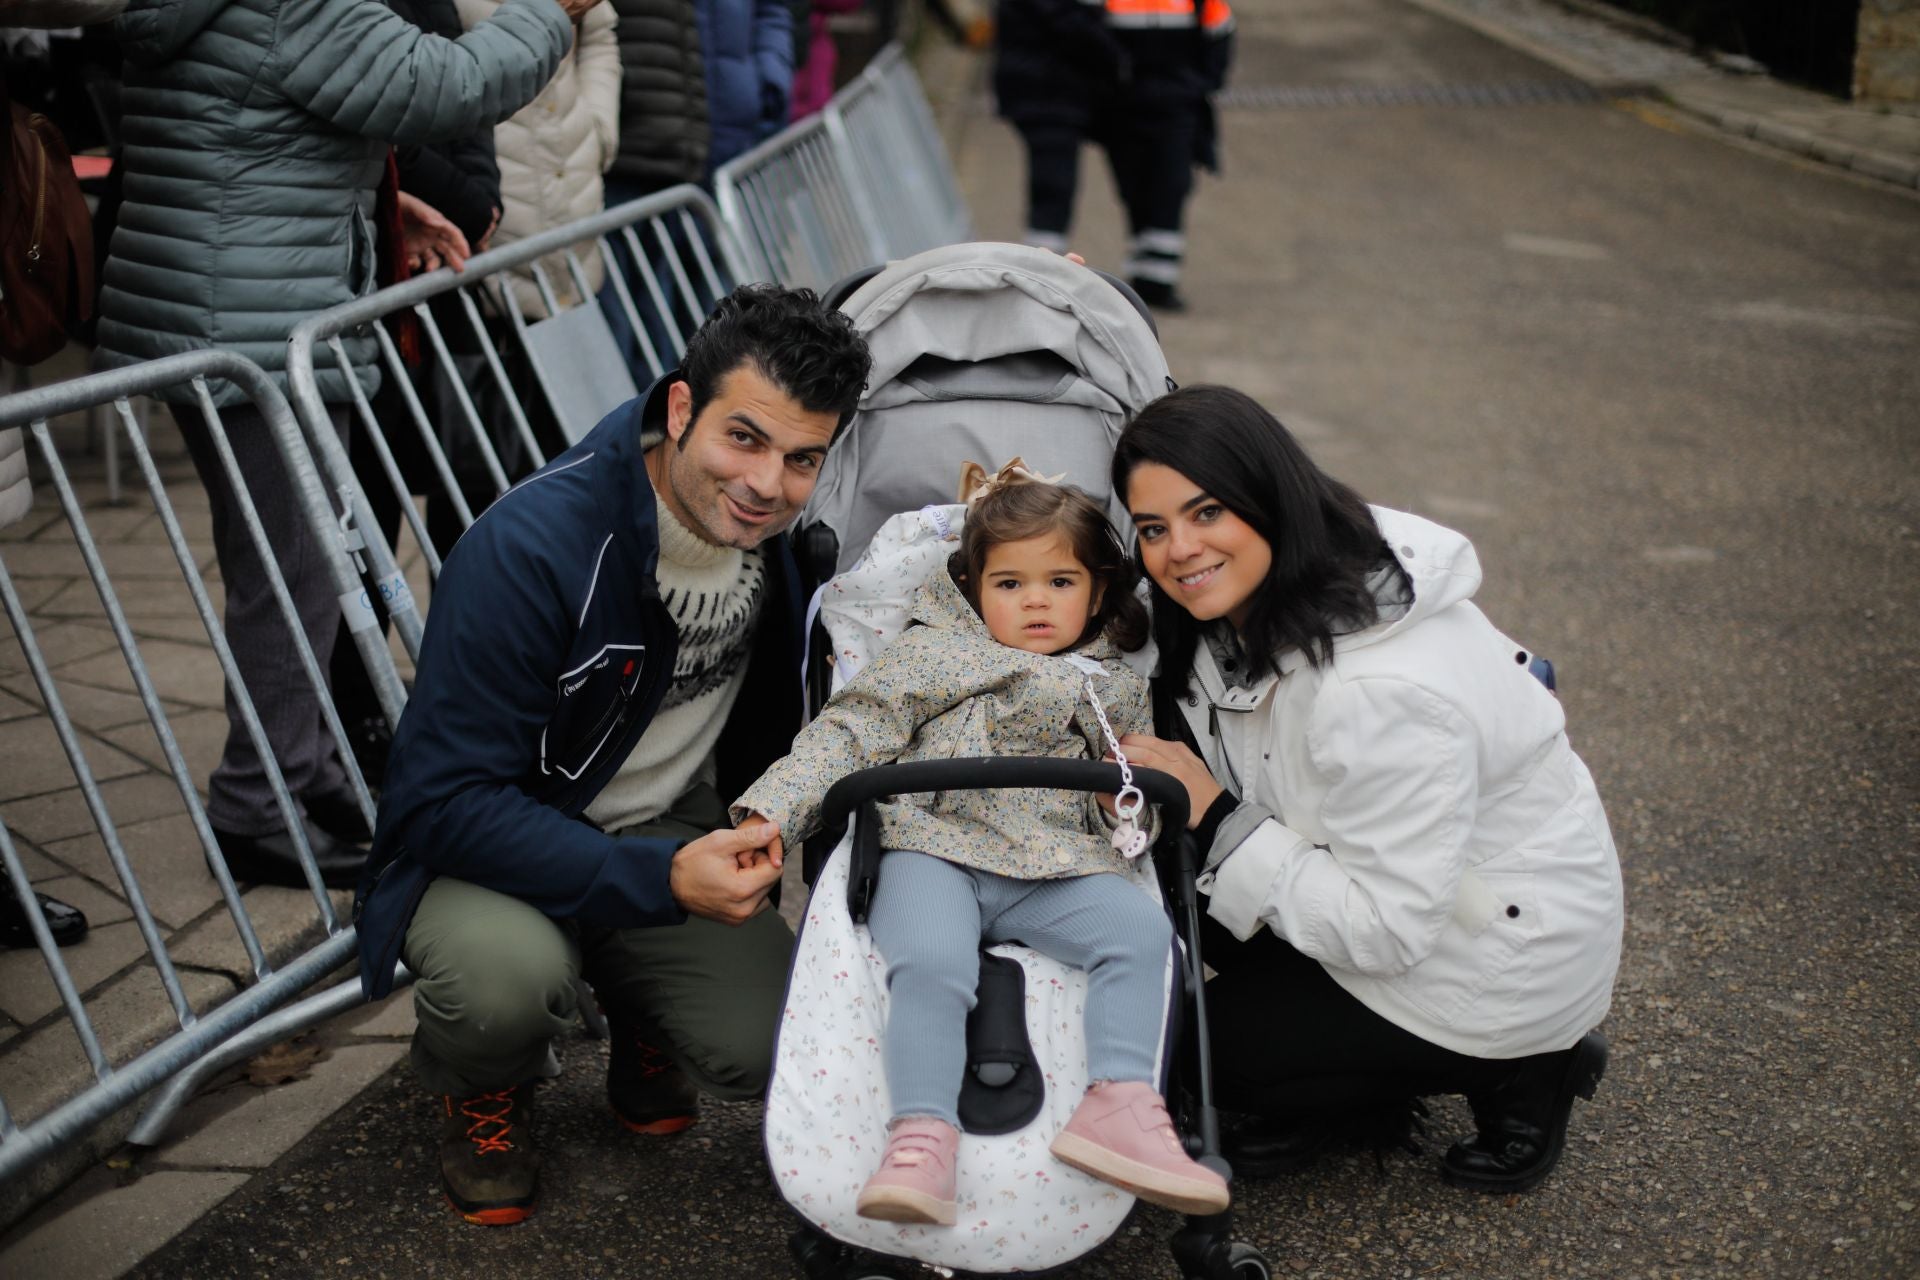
[(1896, 170)]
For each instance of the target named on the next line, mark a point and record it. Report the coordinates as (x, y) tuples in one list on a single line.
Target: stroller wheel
[(823, 1258), (1244, 1262)]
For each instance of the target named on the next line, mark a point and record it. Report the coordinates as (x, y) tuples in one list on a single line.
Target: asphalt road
[(1669, 386)]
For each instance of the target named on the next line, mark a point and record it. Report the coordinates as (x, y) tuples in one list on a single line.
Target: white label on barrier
[(357, 607), (395, 595)]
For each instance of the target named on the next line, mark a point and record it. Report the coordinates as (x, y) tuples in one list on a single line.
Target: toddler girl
[(1011, 652)]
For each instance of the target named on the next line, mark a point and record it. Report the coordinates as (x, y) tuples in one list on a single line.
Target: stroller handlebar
[(990, 773)]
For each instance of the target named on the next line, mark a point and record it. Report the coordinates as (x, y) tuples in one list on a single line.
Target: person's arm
[(868, 722), (598, 61), (773, 58), (1398, 815), (361, 67)]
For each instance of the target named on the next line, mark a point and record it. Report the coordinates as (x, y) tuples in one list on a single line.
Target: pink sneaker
[(915, 1180), (1120, 1133)]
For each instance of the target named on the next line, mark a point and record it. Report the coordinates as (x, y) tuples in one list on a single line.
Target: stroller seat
[(981, 352)]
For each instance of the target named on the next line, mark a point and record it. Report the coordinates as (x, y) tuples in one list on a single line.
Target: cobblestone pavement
[(1667, 386)]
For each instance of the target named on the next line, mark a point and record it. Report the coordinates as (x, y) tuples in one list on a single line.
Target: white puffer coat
[(554, 151), (1414, 818)]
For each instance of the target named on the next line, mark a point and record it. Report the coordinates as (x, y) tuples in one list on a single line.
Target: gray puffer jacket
[(256, 135)]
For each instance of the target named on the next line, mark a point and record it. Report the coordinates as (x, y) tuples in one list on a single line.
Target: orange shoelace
[(652, 1061), (484, 1144)]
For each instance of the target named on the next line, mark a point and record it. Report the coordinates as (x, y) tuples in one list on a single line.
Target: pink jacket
[(813, 79)]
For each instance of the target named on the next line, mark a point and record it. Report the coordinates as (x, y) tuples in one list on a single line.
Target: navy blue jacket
[(547, 652)]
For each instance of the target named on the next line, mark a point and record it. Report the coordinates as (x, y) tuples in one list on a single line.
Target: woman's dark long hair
[(1321, 533)]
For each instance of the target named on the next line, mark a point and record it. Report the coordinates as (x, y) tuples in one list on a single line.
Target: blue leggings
[(930, 919)]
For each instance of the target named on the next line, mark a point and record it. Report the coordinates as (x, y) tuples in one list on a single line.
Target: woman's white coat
[(1420, 824)]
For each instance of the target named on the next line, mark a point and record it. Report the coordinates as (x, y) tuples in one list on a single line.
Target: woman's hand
[(430, 240), (1178, 759)]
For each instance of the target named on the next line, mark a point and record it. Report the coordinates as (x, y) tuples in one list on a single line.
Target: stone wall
[(1886, 62)]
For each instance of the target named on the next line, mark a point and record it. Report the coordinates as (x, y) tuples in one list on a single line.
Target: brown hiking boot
[(648, 1091), (487, 1156)]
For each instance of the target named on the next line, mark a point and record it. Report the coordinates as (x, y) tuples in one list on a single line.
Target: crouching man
[(613, 647)]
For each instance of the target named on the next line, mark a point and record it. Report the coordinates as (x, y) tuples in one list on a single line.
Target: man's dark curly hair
[(807, 349)]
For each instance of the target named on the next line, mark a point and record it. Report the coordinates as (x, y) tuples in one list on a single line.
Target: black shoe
[(65, 923), (487, 1158), (1270, 1148), (270, 859), (1159, 295), (338, 814), (647, 1090), (1523, 1123), (1275, 1148)]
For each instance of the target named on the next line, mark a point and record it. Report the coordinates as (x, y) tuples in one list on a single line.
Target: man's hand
[(430, 240), (708, 878), (1176, 758)]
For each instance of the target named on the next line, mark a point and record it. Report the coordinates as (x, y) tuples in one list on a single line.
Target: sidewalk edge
[(1894, 170)]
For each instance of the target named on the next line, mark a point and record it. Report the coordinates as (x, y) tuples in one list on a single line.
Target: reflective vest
[(1214, 17)]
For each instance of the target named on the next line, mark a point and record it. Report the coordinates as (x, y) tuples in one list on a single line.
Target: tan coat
[(554, 151), (947, 689)]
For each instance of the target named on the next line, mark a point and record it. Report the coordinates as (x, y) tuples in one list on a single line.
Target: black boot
[(488, 1162), (65, 923), (1273, 1148), (1523, 1123), (271, 859), (647, 1090)]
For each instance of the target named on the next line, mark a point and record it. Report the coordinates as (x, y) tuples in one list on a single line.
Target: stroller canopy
[(981, 352)]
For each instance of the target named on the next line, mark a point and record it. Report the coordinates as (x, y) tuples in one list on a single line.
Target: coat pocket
[(594, 701)]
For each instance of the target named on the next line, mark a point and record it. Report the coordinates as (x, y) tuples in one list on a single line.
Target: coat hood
[(1440, 564), (153, 31), (938, 603)]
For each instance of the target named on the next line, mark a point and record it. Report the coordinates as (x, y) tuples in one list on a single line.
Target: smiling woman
[(1406, 864)]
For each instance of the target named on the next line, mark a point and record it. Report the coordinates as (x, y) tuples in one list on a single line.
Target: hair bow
[(976, 483)]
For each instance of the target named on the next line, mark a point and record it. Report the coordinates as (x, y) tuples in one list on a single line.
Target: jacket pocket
[(593, 702), (1495, 918), (362, 257)]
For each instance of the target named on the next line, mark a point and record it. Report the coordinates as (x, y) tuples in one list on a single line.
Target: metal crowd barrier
[(895, 149), (865, 181), (679, 259), (203, 1041)]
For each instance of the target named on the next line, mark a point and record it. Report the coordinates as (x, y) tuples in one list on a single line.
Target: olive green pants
[(496, 982)]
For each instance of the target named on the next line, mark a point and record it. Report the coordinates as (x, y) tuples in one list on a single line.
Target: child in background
[(1012, 652)]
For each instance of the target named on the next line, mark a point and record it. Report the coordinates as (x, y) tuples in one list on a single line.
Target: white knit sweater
[(714, 595)]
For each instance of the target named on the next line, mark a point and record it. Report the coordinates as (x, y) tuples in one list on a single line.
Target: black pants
[(1151, 154), (1288, 1041)]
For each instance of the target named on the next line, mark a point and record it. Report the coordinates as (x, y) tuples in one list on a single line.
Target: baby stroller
[(980, 352)]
